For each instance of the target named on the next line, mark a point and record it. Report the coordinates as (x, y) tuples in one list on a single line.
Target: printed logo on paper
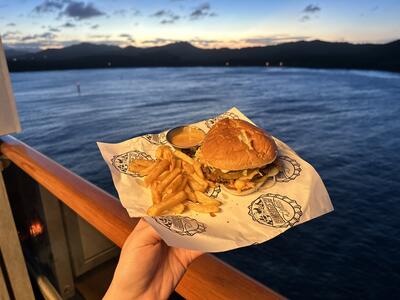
[(181, 225), (156, 139), (227, 115), (290, 169), (275, 210), (121, 162)]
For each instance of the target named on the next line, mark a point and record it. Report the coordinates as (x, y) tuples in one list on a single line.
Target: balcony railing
[(207, 277)]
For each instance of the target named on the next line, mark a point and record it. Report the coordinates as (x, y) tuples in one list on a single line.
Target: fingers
[(145, 235), (142, 235), (195, 254)]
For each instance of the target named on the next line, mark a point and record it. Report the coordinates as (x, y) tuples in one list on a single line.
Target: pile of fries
[(176, 182)]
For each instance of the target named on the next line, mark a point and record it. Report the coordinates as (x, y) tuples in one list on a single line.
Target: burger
[(238, 155)]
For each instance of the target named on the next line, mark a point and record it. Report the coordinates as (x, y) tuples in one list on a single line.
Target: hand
[(148, 268)]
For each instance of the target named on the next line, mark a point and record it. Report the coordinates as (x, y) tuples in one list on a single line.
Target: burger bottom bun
[(248, 191)]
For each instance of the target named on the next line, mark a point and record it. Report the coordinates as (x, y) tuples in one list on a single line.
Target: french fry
[(164, 152), (139, 165), (195, 185), (179, 163), (197, 169), (173, 163), (184, 157), (163, 176), (143, 162), (167, 153), (135, 168), (155, 195), (174, 185), (150, 168), (203, 208), (202, 182), (190, 194), (160, 152), (187, 167), (177, 209), (183, 184), (205, 200), (161, 166), (174, 200), (167, 180)]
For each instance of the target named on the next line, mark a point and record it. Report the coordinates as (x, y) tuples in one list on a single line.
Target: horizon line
[(103, 43)]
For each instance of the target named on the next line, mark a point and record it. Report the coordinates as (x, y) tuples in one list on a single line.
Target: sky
[(33, 24)]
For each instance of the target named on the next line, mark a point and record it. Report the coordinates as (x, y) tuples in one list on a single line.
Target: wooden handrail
[(207, 277)]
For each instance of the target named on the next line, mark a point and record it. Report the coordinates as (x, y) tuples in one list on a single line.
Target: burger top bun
[(237, 145)]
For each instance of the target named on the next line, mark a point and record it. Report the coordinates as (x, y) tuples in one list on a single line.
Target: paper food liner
[(298, 195)]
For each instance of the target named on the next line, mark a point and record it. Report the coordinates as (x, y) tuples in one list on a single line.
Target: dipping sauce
[(185, 137)]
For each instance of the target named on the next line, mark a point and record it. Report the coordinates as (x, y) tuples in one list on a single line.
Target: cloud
[(159, 41), (168, 17), (127, 36), (135, 12), (100, 36), (53, 29), (170, 20), (311, 9), (160, 13), (95, 26), (238, 43), (9, 35), (35, 46), (35, 37), (272, 40), (205, 43), (120, 12), (305, 18), (11, 24), (81, 10), (49, 6), (68, 25), (21, 47), (202, 11)]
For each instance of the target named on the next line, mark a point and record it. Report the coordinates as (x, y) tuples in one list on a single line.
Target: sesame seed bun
[(237, 145)]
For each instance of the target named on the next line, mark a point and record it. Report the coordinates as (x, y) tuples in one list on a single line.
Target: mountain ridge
[(314, 54)]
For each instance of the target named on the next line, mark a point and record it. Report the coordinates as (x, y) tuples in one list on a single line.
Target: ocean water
[(345, 123)]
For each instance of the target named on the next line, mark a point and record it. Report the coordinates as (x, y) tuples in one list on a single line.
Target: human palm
[(148, 268)]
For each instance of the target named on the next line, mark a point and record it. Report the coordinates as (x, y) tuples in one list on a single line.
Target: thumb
[(142, 235)]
